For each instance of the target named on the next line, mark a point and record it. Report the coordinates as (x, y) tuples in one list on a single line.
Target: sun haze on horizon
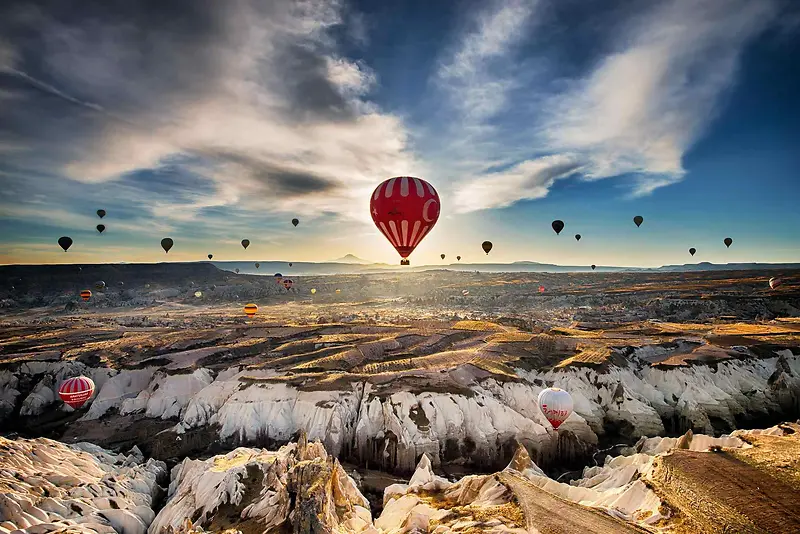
[(211, 123)]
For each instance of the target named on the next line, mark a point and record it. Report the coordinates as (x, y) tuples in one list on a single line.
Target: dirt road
[(548, 514)]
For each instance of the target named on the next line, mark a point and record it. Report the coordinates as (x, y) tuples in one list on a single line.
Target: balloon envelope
[(101, 213), (250, 310), (638, 220), (258, 265), (76, 391), (198, 294), (404, 209), (541, 289), (465, 292), (458, 258), (65, 242), (557, 225), (594, 267), (210, 256), (100, 284), (245, 243), (86, 295), (692, 251), (166, 244), (313, 290), (442, 256), (295, 222), (288, 284), (728, 242), (577, 237), (774, 282), (237, 270), (556, 405), (101, 228), (486, 246)]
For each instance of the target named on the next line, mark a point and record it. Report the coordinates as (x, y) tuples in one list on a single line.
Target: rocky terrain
[(401, 376)]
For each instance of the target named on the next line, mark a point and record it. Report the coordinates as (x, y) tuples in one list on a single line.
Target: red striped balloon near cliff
[(405, 209), (76, 391)]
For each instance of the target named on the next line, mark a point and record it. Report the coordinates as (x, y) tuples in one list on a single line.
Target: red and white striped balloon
[(404, 209), (556, 405), (76, 391)]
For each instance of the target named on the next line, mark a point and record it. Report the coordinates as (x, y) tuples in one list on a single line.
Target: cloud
[(643, 106), (525, 181), (255, 94)]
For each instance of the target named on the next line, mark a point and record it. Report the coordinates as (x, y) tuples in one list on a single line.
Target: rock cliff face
[(477, 425), (47, 486)]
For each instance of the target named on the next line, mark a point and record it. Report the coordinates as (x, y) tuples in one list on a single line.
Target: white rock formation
[(46, 486)]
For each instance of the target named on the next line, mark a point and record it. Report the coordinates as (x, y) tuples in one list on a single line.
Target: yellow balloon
[(313, 290)]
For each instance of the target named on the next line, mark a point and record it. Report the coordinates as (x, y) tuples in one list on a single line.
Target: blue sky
[(214, 122)]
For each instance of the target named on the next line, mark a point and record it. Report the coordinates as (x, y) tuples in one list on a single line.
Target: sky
[(210, 122)]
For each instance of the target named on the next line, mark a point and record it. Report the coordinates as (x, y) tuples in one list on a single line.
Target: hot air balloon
[(76, 391), (245, 243), (86, 295), (101, 213), (692, 251), (65, 242), (442, 256), (250, 309), (290, 264), (99, 285), (775, 282), (288, 284), (338, 290), (101, 228), (313, 290), (166, 244), (121, 284), (236, 270), (458, 258), (638, 220), (594, 267), (577, 237), (728, 242), (258, 265), (295, 222), (198, 294), (404, 209), (465, 292), (210, 256), (541, 289), (278, 277), (556, 405), (486, 246), (557, 226)]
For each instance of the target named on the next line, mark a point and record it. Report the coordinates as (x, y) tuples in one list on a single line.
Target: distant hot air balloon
[(65, 242), (99, 285), (121, 284), (458, 258), (465, 292), (86, 295), (245, 243), (198, 294), (594, 267), (486, 246), (404, 209), (577, 237), (295, 222), (288, 284), (775, 282), (313, 290), (250, 309), (638, 220), (290, 264), (258, 265), (278, 277), (728, 242), (556, 405), (101, 228), (692, 251), (76, 391), (442, 256), (557, 225), (236, 270), (101, 213), (541, 289), (210, 256), (338, 290), (166, 244)]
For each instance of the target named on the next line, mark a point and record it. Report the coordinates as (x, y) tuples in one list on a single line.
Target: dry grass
[(779, 456), (510, 337), (588, 355), (478, 326), (742, 329)]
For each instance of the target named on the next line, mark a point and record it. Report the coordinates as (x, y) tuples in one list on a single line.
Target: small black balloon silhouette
[(65, 242), (245, 243), (295, 222), (577, 237), (638, 220), (557, 226), (101, 228), (728, 241), (101, 213), (486, 246), (594, 267), (166, 244), (210, 256), (692, 251)]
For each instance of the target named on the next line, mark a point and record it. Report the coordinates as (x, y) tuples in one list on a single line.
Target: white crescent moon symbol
[(425, 209)]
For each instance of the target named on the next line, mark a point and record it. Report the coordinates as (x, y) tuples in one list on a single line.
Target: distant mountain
[(707, 266), (349, 258)]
